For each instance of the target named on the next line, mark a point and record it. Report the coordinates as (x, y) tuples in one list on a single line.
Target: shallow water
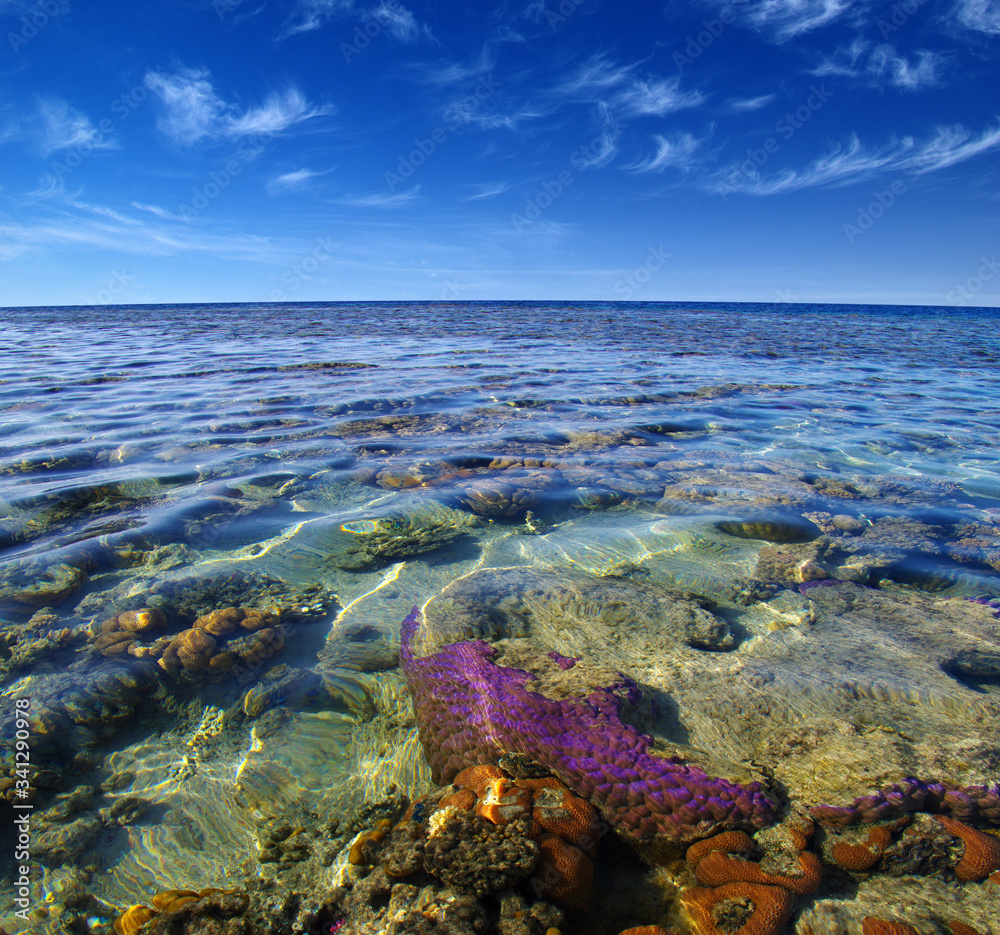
[(344, 462)]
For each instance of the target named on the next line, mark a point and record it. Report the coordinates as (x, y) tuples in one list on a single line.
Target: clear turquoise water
[(124, 429)]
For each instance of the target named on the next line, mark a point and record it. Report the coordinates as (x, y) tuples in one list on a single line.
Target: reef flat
[(689, 624)]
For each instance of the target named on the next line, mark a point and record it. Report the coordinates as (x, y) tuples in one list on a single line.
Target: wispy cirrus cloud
[(855, 162), (679, 151), (785, 19), (381, 200), (63, 127), (390, 15), (979, 15), (193, 110), (743, 105), (617, 88), (277, 113), (881, 65), (290, 181), (488, 190)]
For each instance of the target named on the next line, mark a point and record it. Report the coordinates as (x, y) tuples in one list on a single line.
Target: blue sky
[(301, 150)]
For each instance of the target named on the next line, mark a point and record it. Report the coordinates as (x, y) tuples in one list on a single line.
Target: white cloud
[(49, 186), (277, 113), (399, 21), (879, 65), (62, 127), (388, 15), (751, 103), (488, 190), (980, 15), (615, 87), (312, 14), (922, 73), (786, 19), (194, 111), (380, 200), (673, 152), (656, 98), (855, 162), (291, 180)]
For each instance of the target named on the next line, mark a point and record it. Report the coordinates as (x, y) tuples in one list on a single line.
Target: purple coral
[(470, 710), (990, 602), (913, 795)]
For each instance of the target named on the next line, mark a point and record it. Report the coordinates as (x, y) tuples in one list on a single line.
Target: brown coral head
[(193, 647), (219, 622), (162, 900), (139, 621), (255, 620), (503, 801), (477, 778), (861, 857), (729, 842), (559, 811), (872, 926), (772, 906), (564, 873), (982, 850), (718, 868), (133, 919), (960, 928)]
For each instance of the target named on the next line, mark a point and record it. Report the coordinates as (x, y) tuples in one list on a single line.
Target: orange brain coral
[(503, 801), (982, 851), (872, 926), (730, 842), (564, 873), (574, 819), (718, 868), (477, 778), (772, 907), (960, 928), (860, 857)]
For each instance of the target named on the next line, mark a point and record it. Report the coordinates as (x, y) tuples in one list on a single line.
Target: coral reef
[(982, 850), (772, 908), (218, 642), (861, 857), (470, 711), (914, 795), (872, 926)]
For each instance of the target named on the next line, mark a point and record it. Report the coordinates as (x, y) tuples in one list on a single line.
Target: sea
[(782, 520)]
